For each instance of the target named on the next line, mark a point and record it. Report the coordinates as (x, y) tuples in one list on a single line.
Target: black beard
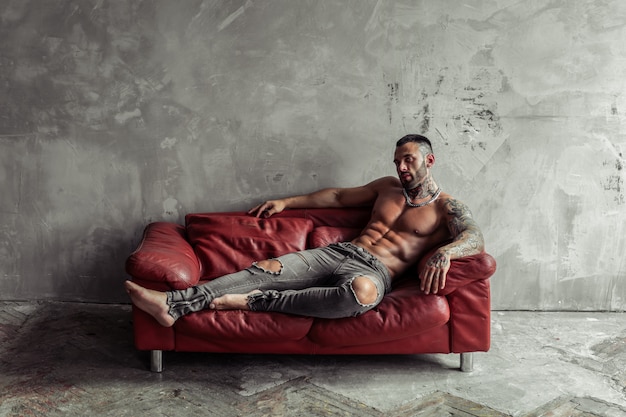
[(423, 189)]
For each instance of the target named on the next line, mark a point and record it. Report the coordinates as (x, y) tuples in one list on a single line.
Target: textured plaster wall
[(118, 113)]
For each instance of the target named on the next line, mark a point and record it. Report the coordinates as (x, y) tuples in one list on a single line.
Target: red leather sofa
[(173, 256)]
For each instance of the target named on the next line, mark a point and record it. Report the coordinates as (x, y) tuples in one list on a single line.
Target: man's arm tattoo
[(466, 235), (438, 260)]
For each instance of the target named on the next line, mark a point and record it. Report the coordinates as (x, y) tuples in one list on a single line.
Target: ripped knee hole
[(270, 266), (364, 290)]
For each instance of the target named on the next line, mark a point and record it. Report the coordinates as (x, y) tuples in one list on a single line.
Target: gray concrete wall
[(118, 113)]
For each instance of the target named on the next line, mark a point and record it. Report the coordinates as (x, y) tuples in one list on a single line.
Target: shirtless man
[(410, 215)]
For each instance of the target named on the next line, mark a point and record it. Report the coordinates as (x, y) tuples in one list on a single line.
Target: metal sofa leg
[(156, 360), (467, 362)]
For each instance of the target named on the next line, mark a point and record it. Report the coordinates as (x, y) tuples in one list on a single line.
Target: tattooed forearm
[(466, 235), (438, 260)]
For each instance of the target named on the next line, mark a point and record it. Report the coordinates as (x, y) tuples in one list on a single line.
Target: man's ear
[(430, 160)]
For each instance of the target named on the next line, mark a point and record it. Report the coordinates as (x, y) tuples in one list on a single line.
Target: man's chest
[(397, 216)]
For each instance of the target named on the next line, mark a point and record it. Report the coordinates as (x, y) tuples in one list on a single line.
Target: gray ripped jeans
[(315, 282)]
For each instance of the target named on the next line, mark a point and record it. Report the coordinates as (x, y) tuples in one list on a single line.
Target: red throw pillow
[(226, 244)]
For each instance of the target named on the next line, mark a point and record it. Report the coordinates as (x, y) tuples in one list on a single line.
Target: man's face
[(410, 165)]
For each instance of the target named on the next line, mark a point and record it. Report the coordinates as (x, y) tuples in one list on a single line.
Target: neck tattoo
[(409, 203)]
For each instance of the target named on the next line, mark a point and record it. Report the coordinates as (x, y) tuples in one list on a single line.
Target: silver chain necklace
[(410, 204)]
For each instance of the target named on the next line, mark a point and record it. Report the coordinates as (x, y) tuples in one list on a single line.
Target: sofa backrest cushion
[(325, 235), (355, 217), (226, 244)]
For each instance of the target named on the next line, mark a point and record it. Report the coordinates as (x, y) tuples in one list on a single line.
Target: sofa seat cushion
[(229, 243), (404, 312), (244, 325)]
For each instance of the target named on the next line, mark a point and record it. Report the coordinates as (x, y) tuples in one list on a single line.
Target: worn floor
[(71, 359)]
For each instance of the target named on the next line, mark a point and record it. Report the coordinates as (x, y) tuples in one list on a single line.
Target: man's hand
[(267, 209), (433, 277)]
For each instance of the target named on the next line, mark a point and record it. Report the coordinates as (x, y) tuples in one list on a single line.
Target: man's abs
[(395, 257), (398, 251), (399, 235)]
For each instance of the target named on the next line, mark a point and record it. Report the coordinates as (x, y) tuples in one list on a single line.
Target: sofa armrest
[(164, 256), (468, 292), (464, 270), (470, 317)]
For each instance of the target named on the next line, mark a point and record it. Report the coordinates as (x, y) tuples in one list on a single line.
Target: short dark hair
[(422, 141)]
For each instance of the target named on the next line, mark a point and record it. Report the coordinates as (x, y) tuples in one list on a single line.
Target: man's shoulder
[(452, 205), (446, 198)]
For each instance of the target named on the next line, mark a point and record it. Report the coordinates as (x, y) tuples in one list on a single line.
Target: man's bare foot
[(232, 301), (151, 301)]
